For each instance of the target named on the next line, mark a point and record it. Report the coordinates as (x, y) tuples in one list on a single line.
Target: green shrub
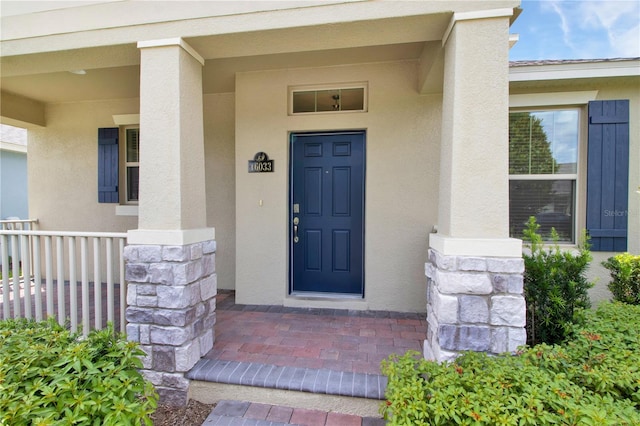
[(592, 380), (603, 355), (625, 274), (50, 376), (555, 287)]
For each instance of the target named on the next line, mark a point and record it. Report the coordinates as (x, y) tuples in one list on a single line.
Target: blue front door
[(327, 212)]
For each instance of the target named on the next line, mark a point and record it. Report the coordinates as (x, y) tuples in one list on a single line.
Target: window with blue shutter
[(608, 175), (108, 165)]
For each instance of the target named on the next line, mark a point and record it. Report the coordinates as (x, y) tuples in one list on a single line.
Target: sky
[(577, 29)]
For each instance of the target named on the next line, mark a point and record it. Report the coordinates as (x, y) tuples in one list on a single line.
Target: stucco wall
[(63, 176), (607, 89), (219, 151), (402, 157)]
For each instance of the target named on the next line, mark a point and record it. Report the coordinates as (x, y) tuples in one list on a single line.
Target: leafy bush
[(555, 287), (625, 272), (50, 376), (592, 380)]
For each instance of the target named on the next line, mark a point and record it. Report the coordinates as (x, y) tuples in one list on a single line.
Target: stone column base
[(171, 311), (473, 304)]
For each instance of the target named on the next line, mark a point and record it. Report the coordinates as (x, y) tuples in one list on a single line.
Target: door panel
[(327, 196)]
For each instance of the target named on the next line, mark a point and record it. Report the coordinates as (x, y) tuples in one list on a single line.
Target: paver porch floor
[(339, 340)]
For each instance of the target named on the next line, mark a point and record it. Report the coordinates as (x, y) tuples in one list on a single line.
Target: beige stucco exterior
[(436, 128), (402, 133)]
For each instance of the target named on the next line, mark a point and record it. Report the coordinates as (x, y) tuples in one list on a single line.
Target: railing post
[(26, 274), (97, 283), (48, 270), (109, 249), (60, 279), (73, 285), (15, 260), (37, 277), (84, 276), (4, 246)]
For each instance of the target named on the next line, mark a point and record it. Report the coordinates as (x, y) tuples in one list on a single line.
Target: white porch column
[(171, 256), (475, 270)]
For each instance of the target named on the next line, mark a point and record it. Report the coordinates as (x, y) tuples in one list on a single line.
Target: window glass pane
[(304, 102), (549, 201), (328, 100), (352, 99), (132, 183), (543, 142), (133, 148)]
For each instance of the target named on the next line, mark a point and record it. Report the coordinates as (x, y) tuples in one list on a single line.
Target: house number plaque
[(261, 163)]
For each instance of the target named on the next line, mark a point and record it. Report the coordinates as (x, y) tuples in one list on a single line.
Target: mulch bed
[(194, 414)]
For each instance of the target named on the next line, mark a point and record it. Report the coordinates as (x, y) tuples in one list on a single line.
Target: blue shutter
[(608, 175), (108, 165)]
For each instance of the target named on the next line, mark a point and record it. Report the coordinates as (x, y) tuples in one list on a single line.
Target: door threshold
[(310, 295), (326, 301)]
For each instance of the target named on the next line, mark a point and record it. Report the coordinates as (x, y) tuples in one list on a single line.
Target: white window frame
[(123, 121), (324, 87), (127, 164), (576, 177)]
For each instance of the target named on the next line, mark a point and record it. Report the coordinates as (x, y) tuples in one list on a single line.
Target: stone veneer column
[(171, 311), (171, 256), (474, 274), (474, 304)]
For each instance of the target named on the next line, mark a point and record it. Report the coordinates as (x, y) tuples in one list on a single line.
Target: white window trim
[(127, 210), (123, 121), (553, 99), (320, 87), (128, 164)]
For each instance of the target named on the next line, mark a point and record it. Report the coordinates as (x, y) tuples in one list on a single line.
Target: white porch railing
[(18, 224), (46, 266)]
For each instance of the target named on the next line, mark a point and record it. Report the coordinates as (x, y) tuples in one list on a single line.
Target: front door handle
[(295, 229)]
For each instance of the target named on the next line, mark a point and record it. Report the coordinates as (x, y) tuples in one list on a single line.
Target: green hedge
[(555, 286), (593, 379), (50, 376), (625, 275)]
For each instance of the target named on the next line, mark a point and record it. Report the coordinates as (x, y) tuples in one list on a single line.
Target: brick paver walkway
[(340, 340), (236, 413)]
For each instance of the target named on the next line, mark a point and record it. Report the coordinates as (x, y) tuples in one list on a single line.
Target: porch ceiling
[(112, 71), (218, 75)]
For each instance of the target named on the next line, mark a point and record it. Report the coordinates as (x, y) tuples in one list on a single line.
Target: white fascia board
[(513, 39), (574, 71), (472, 15), (126, 119), (177, 41)]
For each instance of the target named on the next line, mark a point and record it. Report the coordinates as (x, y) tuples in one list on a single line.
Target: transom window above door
[(312, 100)]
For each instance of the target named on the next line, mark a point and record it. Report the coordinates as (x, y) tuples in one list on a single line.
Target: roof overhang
[(572, 70)]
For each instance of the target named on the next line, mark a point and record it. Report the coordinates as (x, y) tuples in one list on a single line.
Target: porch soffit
[(123, 82), (285, 38), (113, 71)]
